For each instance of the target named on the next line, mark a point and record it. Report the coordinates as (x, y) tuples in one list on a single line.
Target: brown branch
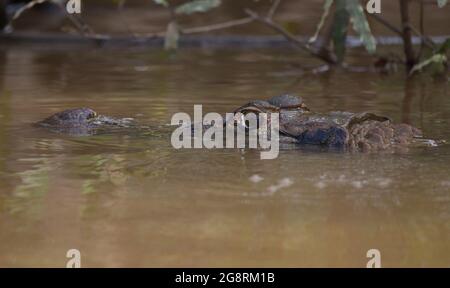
[(3, 15), (426, 40), (25, 7), (407, 34), (422, 29), (386, 23), (120, 9), (273, 8), (304, 46), (203, 29), (381, 20), (218, 26), (82, 27)]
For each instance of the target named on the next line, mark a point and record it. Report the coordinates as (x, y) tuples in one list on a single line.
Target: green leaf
[(197, 6), (172, 36), (360, 25), (436, 58), (326, 11), (162, 2), (340, 28), (444, 47), (441, 3)]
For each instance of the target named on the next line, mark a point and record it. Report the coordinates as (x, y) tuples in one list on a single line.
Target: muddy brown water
[(130, 199)]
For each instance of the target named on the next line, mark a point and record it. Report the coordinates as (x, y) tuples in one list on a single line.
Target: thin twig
[(385, 23), (407, 34), (322, 21), (427, 40), (82, 27), (273, 8), (25, 7), (120, 8), (218, 26), (422, 30), (394, 29), (278, 28), (205, 29), (267, 21)]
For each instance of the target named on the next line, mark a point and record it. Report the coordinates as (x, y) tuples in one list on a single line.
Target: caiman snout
[(71, 117)]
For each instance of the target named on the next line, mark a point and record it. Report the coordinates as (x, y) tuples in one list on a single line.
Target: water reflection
[(130, 199)]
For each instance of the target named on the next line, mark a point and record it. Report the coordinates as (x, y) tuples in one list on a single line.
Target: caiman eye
[(304, 107), (93, 114), (246, 123)]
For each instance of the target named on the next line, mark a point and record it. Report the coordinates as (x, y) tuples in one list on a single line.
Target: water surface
[(130, 199)]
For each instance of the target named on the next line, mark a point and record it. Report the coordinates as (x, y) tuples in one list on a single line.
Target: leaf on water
[(162, 2), (197, 6), (441, 3), (436, 58), (340, 27), (172, 36), (326, 11), (360, 24)]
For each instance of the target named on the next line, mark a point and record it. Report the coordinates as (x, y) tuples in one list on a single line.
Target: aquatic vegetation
[(328, 42)]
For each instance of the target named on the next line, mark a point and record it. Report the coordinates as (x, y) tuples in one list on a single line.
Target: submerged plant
[(345, 12), (328, 42)]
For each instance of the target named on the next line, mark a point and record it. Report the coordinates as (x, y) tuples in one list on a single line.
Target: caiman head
[(71, 118), (360, 131), (286, 105), (82, 121), (277, 104)]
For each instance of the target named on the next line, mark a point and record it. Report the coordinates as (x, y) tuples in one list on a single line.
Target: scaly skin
[(82, 121), (363, 131)]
